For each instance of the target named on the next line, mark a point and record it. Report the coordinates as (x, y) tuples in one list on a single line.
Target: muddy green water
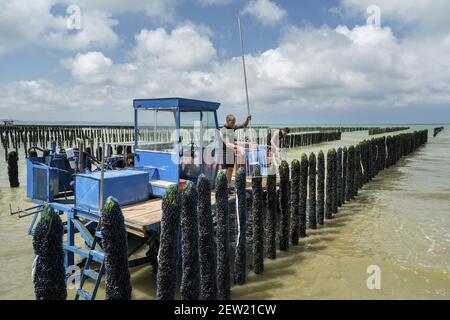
[(400, 222)]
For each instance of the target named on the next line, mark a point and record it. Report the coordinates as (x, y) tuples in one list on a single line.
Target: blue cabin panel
[(160, 165)]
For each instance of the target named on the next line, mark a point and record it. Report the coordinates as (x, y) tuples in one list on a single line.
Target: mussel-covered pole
[(329, 186), (373, 157), (190, 278), (49, 276), (258, 222), (350, 174), (339, 177), (363, 163), (13, 169), (295, 201), (312, 219), (362, 158), (303, 193), (383, 153), (344, 173), (438, 130), (284, 206), (115, 245), (272, 207), (223, 255), (240, 261), (6, 152), (320, 188), (369, 152), (207, 245), (334, 183), (357, 168)]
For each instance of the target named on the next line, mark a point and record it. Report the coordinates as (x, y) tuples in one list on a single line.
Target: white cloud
[(25, 23), (97, 31), (91, 67), (430, 16), (22, 22), (45, 100), (186, 47), (161, 10), (157, 53), (265, 11), (310, 69), (31, 22)]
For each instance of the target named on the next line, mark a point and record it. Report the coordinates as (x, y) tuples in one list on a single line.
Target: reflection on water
[(399, 222)]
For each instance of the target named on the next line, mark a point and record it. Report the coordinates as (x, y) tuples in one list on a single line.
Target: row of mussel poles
[(375, 131), (346, 129), (310, 192), (328, 129), (295, 140), (437, 131), (25, 137)]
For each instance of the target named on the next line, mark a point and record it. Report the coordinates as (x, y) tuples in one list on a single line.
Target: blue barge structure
[(76, 184)]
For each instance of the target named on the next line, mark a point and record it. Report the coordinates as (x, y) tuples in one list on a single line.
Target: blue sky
[(308, 61)]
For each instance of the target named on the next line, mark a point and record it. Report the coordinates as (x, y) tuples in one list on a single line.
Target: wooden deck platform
[(140, 216)]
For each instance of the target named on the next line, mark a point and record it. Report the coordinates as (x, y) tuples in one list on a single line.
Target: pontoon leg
[(70, 239)]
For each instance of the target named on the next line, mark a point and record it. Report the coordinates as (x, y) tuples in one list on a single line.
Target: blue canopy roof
[(179, 103)]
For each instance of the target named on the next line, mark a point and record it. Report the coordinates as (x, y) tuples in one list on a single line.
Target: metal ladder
[(95, 255)]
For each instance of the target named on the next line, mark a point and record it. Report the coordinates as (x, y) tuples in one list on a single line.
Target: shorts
[(226, 165)]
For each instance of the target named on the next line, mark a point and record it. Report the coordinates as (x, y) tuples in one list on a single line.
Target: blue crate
[(127, 186), (257, 154)]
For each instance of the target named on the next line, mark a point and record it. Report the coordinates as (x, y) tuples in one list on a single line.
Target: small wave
[(433, 242)]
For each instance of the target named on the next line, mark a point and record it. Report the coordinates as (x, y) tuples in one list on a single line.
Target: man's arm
[(276, 140), (245, 124)]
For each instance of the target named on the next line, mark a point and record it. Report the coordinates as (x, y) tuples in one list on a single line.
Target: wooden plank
[(148, 219), (141, 215), (142, 208), (137, 212), (140, 232), (138, 217)]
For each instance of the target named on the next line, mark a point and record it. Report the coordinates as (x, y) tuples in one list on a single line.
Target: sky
[(308, 61)]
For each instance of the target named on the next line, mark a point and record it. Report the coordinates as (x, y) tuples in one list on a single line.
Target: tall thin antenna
[(243, 64), (253, 151)]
